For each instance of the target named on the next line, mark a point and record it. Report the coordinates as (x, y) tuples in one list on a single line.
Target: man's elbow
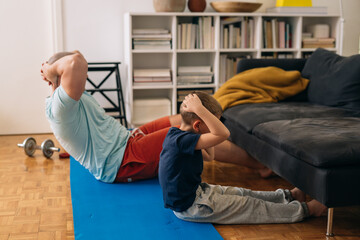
[(226, 134), (78, 62)]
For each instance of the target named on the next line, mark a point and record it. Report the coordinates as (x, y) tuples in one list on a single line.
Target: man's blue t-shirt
[(93, 138), (180, 169)]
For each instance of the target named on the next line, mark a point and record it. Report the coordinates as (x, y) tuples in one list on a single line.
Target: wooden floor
[(35, 200)]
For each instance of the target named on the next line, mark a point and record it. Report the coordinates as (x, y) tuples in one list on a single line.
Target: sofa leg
[(329, 230)]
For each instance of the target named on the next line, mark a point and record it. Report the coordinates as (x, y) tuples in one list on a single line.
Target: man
[(100, 143)]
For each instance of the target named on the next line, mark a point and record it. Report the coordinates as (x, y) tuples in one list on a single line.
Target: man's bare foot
[(298, 194), (316, 208), (266, 172)]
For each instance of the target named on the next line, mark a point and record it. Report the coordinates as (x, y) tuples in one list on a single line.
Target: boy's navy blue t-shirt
[(180, 169)]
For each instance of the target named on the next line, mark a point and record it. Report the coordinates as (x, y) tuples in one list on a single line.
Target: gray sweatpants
[(233, 205)]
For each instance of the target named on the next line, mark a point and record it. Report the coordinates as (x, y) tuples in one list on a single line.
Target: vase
[(169, 5), (197, 5)]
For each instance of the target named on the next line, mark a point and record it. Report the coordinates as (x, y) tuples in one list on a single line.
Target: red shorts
[(142, 153)]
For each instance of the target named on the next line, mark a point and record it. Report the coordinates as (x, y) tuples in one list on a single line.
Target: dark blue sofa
[(313, 139)]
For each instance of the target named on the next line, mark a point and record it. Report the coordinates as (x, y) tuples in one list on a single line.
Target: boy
[(181, 165)]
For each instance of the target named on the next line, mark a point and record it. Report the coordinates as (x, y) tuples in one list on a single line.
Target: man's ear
[(196, 125)]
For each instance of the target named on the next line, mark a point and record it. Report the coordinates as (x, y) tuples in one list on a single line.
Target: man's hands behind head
[(48, 75)]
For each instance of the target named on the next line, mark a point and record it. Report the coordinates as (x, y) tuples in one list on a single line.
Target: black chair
[(110, 67)]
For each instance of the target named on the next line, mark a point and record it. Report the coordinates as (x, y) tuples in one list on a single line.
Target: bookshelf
[(198, 40)]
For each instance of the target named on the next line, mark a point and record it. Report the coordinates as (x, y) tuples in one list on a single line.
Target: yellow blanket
[(258, 85)]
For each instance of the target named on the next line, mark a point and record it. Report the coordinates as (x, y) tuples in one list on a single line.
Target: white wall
[(95, 27), (98, 32), (25, 42)]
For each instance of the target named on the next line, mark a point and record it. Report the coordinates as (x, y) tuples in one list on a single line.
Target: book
[(251, 32), (179, 36), (318, 42), (313, 10), (231, 36), (188, 35), (244, 34), (153, 36), (152, 42), (207, 32), (150, 31), (194, 79), (201, 34), (152, 47), (274, 30), (237, 37), (195, 74), (269, 42), (153, 84), (288, 36), (226, 38), (152, 79), (152, 72), (281, 34), (194, 69)]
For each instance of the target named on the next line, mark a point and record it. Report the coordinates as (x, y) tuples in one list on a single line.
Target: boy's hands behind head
[(192, 103)]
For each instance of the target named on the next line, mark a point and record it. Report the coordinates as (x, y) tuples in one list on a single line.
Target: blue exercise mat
[(126, 211)]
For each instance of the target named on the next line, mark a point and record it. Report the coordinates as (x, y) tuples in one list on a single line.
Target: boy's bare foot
[(266, 172), (316, 208), (298, 194)]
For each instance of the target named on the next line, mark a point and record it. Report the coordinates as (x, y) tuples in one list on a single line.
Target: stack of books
[(228, 66), (196, 35), (237, 32), (194, 75), (151, 76), (277, 34), (318, 42), (151, 39)]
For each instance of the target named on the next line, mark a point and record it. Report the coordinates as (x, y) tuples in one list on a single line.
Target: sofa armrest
[(286, 64)]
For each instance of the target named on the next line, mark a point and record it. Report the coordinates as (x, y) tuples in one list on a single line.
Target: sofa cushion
[(321, 142), (247, 116), (334, 80)]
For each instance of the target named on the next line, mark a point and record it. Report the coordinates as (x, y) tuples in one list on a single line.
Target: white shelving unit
[(198, 57)]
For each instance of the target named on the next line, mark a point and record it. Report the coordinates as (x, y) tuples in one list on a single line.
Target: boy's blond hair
[(210, 103)]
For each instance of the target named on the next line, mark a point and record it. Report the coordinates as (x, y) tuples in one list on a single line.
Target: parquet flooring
[(35, 200)]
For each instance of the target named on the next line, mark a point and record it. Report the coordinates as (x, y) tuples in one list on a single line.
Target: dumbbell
[(47, 147)]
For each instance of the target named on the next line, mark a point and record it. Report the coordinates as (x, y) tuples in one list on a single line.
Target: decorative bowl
[(235, 6)]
